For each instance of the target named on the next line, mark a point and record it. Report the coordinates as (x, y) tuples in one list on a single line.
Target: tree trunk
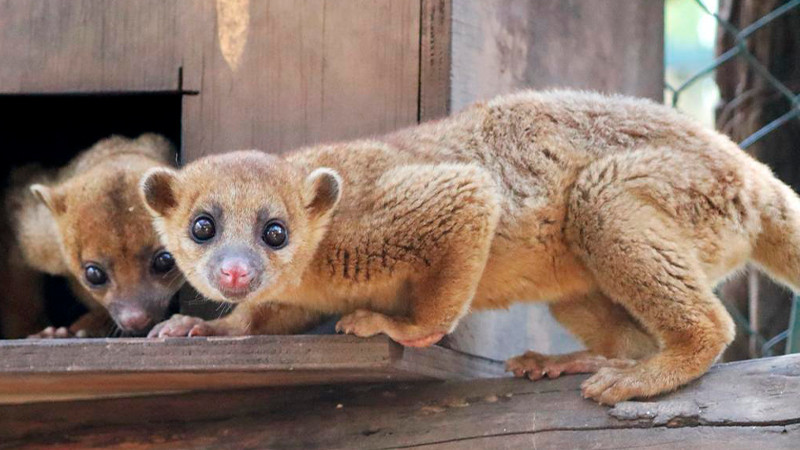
[(748, 102)]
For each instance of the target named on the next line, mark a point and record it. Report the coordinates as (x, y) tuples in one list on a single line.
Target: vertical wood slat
[(311, 71), (434, 78)]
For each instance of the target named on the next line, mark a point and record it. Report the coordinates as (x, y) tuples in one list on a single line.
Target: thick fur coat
[(621, 212)]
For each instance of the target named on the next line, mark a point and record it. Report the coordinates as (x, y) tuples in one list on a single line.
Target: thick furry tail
[(777, 248)]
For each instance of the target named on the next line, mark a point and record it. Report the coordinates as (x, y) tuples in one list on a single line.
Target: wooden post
[(793, 339), (500, 46)]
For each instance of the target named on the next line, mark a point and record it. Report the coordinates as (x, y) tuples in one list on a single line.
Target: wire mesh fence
[(740, 50)]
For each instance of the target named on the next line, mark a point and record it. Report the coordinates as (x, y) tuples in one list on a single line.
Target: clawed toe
[(612, 385), (181, 326), (52, 333)]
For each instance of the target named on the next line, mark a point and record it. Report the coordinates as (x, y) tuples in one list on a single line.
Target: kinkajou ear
[(158, 189), (50, 198), (322, 191)]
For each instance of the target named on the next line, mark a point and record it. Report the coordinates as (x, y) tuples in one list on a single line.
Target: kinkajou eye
[(275, 235), (95, 275), (203, 228), (163, 262)]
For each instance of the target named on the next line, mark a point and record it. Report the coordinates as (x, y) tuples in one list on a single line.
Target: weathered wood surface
[(751, 404), (79, 368)]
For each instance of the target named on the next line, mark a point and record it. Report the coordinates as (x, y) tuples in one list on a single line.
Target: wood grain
[(84, 46), (311, 71), (735, 405), (74, 368)]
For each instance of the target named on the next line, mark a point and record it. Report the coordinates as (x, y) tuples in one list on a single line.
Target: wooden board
[(75, 368), (750, 404), (85, 46), (307, 72)]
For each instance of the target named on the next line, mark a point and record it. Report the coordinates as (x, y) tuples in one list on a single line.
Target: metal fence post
[(793, 340)]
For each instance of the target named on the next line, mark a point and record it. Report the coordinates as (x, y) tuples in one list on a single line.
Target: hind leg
[(643, 259), (611, 336)]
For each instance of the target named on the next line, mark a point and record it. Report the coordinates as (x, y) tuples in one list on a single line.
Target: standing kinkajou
[(621, 212), (86, 221)]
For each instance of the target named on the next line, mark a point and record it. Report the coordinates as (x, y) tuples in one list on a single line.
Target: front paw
[(531, 364), (361, 323), (180, 326), (58, 333)]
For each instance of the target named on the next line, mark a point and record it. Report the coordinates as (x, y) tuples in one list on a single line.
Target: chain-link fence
[(740, 50)]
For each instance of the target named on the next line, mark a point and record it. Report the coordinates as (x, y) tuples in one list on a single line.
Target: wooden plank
[(727, 438), (740, 401), (504, 45), (434, 76), (58, 369), (500, 46), (309, 71), (90, 45)]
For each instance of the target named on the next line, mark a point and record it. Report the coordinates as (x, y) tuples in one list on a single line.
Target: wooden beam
[(74, 368), (734, 406)]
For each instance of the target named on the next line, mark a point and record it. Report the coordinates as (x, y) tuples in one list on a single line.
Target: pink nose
[(234, 273), (132, 319)]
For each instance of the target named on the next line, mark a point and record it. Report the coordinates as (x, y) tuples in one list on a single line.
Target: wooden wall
[(267, 74)]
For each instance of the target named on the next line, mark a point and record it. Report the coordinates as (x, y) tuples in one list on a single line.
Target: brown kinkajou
[(86, 221), (621, 212)]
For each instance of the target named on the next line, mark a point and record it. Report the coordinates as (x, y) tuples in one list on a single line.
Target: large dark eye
[(275, 235), (163, 262), (95, 275), (203, 228)]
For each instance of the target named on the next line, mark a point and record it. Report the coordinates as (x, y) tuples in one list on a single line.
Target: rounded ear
[(160, 146), (158, 189), (323, 189), (53, 200)]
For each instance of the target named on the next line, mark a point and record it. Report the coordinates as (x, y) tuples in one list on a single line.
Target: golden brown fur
[(621, 212), (90, 211)]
